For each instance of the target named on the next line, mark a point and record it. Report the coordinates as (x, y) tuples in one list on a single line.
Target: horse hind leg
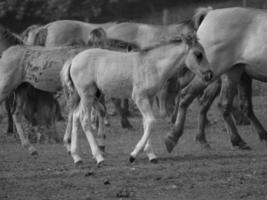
[(17, 117), (123, 114), (75, 142), (67, 135), (245, 96), (101, 112), (84, 114)]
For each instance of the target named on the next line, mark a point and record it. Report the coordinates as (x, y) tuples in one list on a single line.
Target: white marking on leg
[(75, 144), (85, 111), (144, 106), (67, 135), (149, 150)]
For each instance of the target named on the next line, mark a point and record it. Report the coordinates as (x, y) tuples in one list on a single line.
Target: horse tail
[(70, 92), (40, 37), (199, 15)]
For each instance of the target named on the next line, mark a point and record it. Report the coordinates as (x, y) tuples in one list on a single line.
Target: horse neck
[(169, 59)]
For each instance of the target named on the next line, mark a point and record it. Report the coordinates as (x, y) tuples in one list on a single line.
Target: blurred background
[(19, 14)]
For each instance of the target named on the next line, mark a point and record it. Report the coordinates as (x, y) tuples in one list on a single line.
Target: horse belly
[(115, 86)]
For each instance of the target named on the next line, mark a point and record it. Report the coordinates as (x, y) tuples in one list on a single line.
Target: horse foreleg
[(162, 95), (144, 105), (205, 101), (228, 91), (188, 94), (10, 125), (246, 105), (17, 117), (150, 152)]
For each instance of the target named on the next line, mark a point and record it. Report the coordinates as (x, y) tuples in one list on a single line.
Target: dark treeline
[(18, 14)]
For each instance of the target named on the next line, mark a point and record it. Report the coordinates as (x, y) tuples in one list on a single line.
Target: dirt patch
[(187, 173)]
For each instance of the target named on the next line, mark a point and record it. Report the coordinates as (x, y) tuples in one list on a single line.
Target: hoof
[(79, 164), (170, 144), (203, 145), (131, 159), (102, 148), (34, 153), (264, 142), (107, 123), (242, 146), (127, 126), (100, 164), (58, 140), (154, 161)]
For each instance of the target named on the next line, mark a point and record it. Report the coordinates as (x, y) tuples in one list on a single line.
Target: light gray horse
[(139, 75), (235, 42)]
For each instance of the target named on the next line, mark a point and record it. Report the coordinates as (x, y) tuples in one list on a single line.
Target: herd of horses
[(218, 51)]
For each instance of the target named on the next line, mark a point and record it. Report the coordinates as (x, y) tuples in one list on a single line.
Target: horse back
[(42, 66), (234, 35), (110, 71)]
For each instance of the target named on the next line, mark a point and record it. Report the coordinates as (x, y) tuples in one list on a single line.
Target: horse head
[(196, 59), (97, 37)]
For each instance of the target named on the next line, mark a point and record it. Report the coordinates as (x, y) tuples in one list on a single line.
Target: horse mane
[(25, 33), (11, 37), (119, 44), (115, 44), (190, 39), (40, 37)]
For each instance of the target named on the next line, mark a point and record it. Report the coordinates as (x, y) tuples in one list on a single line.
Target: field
[(187, 173)]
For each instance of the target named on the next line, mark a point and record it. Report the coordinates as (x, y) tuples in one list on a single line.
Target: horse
[(39, 67), (237, 55), (69, 32), (97, 38), (7, 39), (139, 75), (64, 32), (29, 35)]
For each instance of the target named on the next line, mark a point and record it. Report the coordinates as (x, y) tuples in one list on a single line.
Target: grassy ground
[(188, 173)]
